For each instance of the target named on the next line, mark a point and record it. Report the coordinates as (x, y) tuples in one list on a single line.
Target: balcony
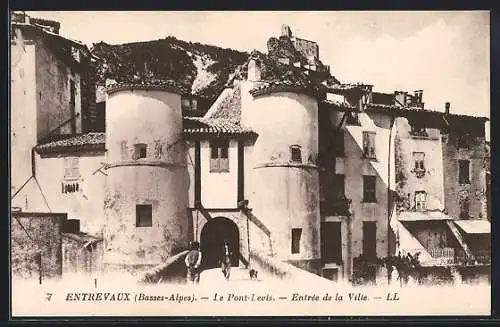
[(419, 133), (419, 172), (443, 256), (481, 257), (338, 207)]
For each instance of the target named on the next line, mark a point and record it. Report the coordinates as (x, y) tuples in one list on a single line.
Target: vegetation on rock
[(168, 59)]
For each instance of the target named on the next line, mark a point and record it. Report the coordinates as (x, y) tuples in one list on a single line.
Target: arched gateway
[(212, 239)]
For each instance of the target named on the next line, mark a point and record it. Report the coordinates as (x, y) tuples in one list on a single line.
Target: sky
[(446, 54)]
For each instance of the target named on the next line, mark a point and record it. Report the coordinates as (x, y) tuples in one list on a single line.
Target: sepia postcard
[(250, 163)]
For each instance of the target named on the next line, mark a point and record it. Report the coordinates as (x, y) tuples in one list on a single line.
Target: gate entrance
[(212, 239)]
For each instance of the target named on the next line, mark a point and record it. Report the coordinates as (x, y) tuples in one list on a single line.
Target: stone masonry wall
[(78, 258), (33, 232), (475, 191)]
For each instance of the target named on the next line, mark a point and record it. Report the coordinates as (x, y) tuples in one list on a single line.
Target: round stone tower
[(285, 181), (147, 180)]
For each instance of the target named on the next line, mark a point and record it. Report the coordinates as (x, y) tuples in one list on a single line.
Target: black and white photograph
[(260, 163)]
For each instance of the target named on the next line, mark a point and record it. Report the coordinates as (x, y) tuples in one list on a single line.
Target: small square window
[(369, 145), (463, 142), (144, 215), (186, 104), (352, 118), (296, 235), (140, 151), (295, 153), (194, 104)]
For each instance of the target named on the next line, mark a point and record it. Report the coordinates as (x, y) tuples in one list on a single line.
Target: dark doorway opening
[(212, 239), (331, 242), (370, 240)]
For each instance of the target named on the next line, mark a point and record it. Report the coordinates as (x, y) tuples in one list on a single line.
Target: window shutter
[(224, 150), (67, 168), (224, 164), (365, 143), (75, 171), (71, 168), (369, 144), (214, 150), (372, 144)]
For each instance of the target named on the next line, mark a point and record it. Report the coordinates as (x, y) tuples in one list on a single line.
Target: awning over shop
[(406, 241), (422, 216), (474, 226)]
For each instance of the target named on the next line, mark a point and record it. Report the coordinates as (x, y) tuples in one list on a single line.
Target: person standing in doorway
[(193, 261), (226, 260)]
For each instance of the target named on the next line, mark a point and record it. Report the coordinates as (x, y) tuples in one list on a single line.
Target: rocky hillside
[(201, 68)]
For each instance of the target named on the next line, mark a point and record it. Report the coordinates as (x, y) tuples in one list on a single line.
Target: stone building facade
[(301, 168)]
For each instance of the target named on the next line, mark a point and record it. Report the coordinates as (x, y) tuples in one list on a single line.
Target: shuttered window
[(420, 200), (419, 160), (219, 156), (71, 168), (369, 187)]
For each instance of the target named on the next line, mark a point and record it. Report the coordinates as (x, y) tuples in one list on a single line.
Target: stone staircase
[(460, 239)]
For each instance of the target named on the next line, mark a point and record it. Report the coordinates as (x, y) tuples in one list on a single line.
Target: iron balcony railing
[(338, 207)]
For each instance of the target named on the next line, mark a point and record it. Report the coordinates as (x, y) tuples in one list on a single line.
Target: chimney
[(286, 31), (447, 108), (419, 96), (400, 98), (369, 94), (254, 70)]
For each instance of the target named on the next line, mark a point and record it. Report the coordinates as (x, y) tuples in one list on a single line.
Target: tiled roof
[(227, 106), (344, 87), (83, 238), (97, 141), (213, 126), (152, 85), (223, 118), (460, 116), (55, 36), (90, 141), (404, 111), (284, 86), (418, 110), (338, 105)]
